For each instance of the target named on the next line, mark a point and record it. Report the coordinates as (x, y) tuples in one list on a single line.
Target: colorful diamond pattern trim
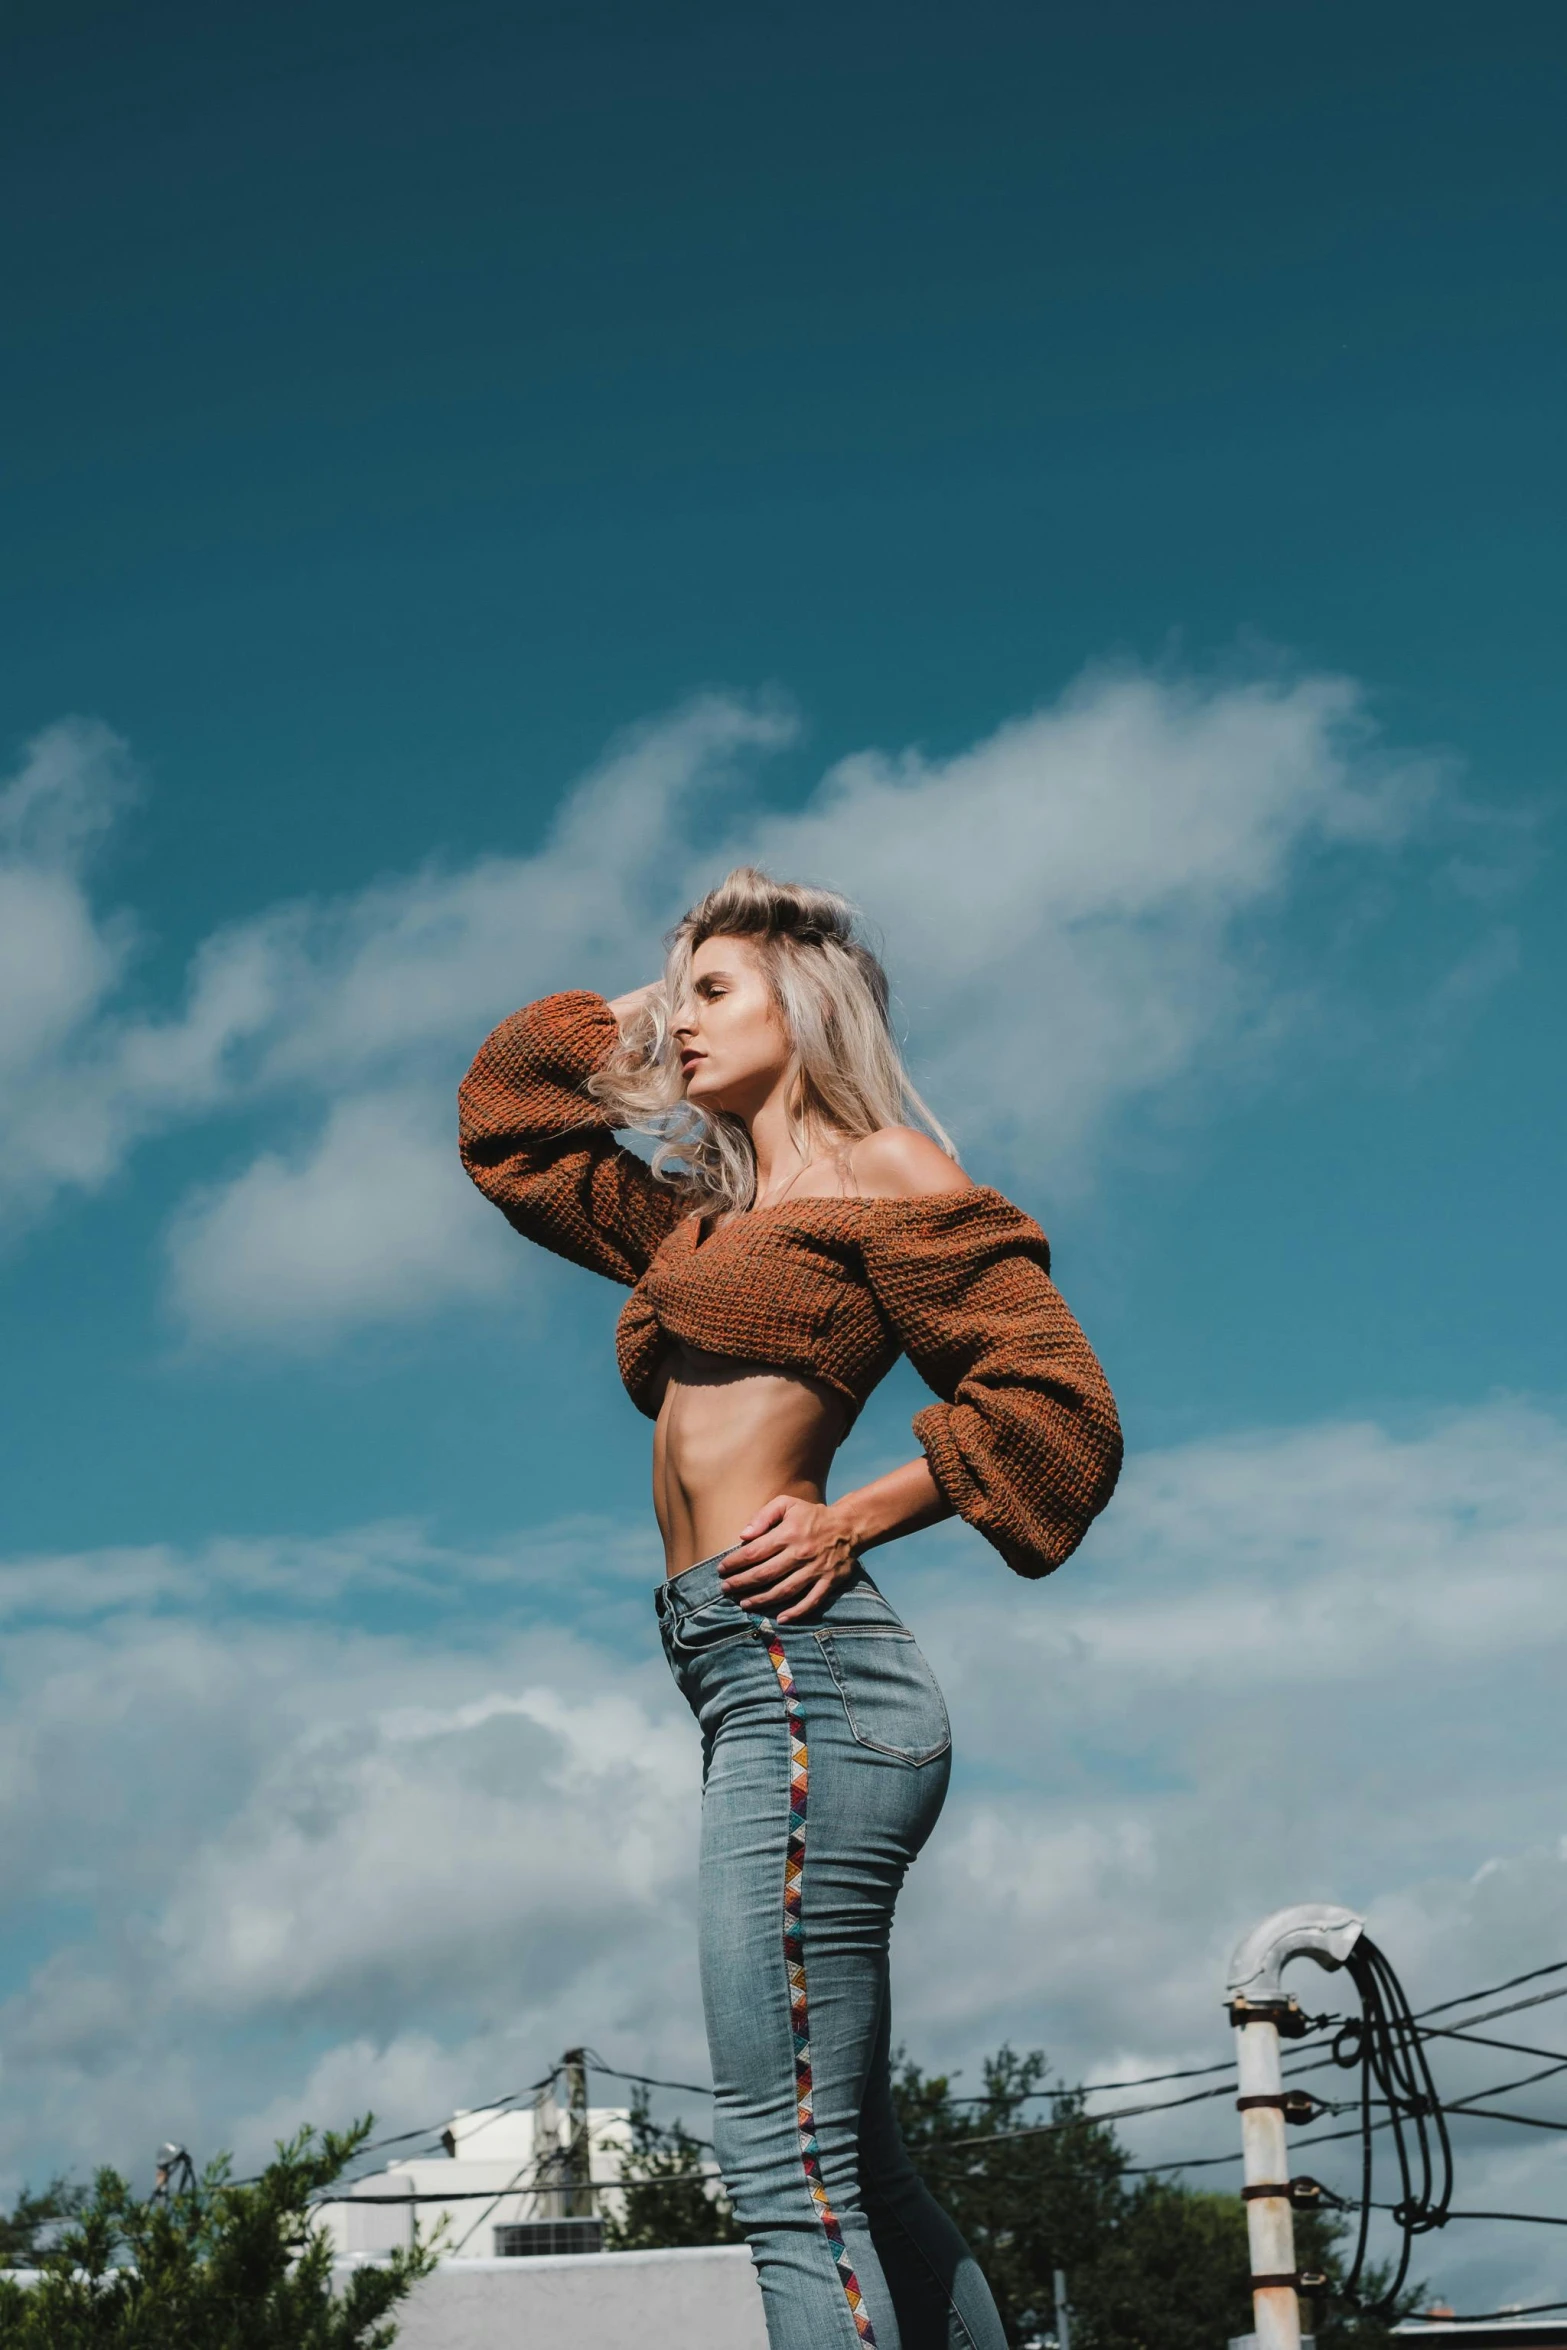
[(794, 1963)]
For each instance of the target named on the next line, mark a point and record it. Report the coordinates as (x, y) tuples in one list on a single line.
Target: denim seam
[(794, 1975)]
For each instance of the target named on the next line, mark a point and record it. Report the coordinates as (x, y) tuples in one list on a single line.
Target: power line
[(1487, 2316), (647, 2080), (1118, 2113), (1493, 2113), (518, 2186), (1525, 2081), (998, 2097), (431, 2133), (1513, 2007), (1482, 2040), (1192, 2072), (522, 2186), (1536, 2219), (1556, 1967), (1076, 2089), (1082, 2088), (1160, 2105)]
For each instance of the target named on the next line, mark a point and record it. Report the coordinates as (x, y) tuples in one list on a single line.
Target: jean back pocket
[(891, 1696)]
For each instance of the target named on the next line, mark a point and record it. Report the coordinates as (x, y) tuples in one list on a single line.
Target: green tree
[(688, 2208), (1176, 2273), (223, 2265), (35, 2220), (1021, 2198)]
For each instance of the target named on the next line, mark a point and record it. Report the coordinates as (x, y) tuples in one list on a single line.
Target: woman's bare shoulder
[(898, 1162)]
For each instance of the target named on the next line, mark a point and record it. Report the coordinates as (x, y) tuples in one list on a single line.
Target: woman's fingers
[(763, 1539), (768, 1585), (818, 1593), (781, 1556), (764, 1582), (751, 1557), (768, 1515)]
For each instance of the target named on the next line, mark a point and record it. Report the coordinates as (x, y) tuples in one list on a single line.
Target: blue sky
[(1089, 482)]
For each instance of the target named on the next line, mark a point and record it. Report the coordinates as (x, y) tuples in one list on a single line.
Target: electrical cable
[(1077, 2089), (1491, 2113), (514, 2186), (431, 2131), (1140, 2081), (1557, 1966), (1117, 2113), (1533, 2219), (1386, 2044), (1493, 2316), (1483, 2040), (613, 2072), (1511, 2007), (1191, 2072)]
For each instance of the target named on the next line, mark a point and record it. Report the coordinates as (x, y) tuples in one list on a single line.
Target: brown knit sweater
[(1025, 1443)]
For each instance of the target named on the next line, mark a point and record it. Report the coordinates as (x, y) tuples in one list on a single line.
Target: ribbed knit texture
[(1025, 1443)]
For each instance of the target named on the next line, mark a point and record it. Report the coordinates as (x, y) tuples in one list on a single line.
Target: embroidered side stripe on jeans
[(799, 2013)]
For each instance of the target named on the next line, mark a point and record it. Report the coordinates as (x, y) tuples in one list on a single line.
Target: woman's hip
[(841, 1709)]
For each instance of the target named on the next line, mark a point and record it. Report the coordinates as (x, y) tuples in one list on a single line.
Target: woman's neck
[(783, 1149)]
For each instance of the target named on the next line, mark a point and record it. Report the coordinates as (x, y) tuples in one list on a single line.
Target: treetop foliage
[(222, 2264)]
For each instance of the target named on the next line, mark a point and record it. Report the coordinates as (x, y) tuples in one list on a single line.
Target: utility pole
[(1261, 2011), (577, 2202), (175, 2174), (1063, 2312)]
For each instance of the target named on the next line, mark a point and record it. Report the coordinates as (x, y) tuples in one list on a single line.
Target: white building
[(498, 2188)]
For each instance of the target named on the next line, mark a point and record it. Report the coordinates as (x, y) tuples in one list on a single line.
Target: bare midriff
[(731, 1436)]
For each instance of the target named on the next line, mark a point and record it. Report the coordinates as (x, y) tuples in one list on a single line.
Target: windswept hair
[(848, 1078)]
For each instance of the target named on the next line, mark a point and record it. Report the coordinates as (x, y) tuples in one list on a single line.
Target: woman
[(791, 1237)]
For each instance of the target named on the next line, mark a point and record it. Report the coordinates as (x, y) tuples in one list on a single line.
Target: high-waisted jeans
[(825, 1753)]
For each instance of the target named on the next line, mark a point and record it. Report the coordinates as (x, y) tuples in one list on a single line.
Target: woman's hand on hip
[(793, 1557)]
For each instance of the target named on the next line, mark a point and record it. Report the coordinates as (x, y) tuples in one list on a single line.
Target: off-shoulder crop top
[(1024, 1443)]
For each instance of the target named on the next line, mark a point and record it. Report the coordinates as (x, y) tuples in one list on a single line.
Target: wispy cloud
[(1090, 889)]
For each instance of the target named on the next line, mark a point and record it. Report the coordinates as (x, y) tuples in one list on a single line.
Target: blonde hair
[(848, 1078)]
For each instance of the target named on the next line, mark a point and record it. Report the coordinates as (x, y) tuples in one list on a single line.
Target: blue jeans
[(825, 1753)]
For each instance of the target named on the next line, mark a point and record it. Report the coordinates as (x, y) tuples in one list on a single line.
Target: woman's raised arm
[(538, 1145)]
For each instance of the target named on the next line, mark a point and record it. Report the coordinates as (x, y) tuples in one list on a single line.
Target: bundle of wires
[(1387, 2045)]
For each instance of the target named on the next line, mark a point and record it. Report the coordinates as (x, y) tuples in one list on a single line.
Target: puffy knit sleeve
[(1025, 1442), (543, 1150)]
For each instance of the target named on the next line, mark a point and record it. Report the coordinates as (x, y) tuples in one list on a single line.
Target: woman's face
[(732, 1041)]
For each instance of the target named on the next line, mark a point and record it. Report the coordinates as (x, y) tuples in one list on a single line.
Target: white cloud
[(1083, 891), (58, 963), (321, 1867), (1068, 889), (371, 1223)]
